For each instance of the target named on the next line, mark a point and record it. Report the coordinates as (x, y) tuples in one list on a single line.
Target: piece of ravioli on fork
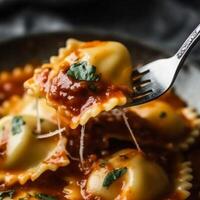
[(85, 79)]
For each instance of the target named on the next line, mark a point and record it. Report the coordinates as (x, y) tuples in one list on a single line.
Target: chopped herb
[(41, 196), (124, 157), (83, 71), (102, 163), (17, 123), (163, 114), (8, 193), (113, 176), (41, 120)]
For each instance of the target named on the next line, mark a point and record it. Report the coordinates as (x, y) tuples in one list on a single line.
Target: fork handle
[(188, 44)]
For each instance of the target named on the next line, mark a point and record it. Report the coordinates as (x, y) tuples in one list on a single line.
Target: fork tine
[(141, 93), (140, 90), (136, 74), (142, 99), (140, 82)]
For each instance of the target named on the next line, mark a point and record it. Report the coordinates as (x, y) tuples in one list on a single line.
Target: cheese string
[(58, 122), (81, 149), (72, 157), (130, 130), (51, 134), (38, 128)]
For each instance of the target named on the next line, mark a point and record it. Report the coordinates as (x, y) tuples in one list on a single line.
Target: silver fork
[(154, 79)]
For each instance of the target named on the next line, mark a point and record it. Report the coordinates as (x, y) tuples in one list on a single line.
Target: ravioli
[(162, 122), (45, 154), (144, 180), (178, 127), (129, 174), (23, 155), (85, 79)]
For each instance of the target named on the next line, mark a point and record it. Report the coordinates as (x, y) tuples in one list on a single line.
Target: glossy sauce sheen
[(97, 145), (76, 96), (12, 85)]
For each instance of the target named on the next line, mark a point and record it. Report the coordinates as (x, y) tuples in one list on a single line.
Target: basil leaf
[(17, 123), (83, 71), (8, 193), (113, 176), (41, 196)]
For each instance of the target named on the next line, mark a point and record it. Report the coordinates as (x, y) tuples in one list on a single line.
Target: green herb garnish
[(124, 157), (8, 193), (83, 71), (41, 196), (163, 114), (113, 176), (17, 123), (102, 163)]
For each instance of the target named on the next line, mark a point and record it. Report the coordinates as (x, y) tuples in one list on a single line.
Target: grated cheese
[(51, 134), (72, 157), (58, 122), (81, 149), (38, 128), (130, 130)]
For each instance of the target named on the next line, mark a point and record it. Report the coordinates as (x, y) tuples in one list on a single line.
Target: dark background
[(161, 24)]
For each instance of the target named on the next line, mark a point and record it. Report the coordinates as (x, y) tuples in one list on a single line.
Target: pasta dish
[(67, 134)]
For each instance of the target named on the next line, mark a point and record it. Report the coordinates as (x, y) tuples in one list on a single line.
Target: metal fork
[(154, 79)]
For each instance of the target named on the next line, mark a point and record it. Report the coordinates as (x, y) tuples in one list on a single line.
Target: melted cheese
[(27, 106), (144, 179), (112, 61), (27, 155), (81, 148), (130, 131)]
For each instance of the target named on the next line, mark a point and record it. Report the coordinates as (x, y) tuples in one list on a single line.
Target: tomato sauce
[(12, 86), (76, 96)]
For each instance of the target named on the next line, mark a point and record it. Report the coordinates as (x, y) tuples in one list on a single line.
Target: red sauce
[(76, 96), (13, 85), (10, 88), (175, 196)]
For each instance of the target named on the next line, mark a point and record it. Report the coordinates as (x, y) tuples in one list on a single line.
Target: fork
[(154, 79)]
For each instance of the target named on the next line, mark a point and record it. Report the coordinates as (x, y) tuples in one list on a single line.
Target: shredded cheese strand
[(38, 128), (81, 149), (72, 157), (58, 122), (51, 134), (130, 130)]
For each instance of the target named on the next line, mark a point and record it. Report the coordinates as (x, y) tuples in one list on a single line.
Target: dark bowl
[(38, 48)]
